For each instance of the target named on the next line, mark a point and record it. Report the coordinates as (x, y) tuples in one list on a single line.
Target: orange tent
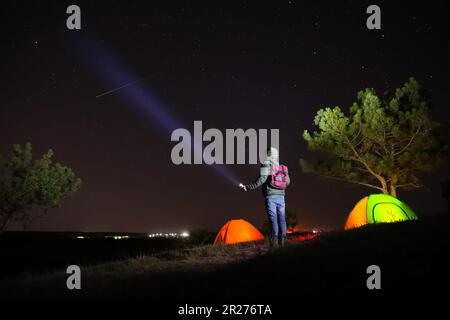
[(236, 231)]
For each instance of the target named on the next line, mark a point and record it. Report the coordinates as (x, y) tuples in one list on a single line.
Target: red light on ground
[(307, 237)]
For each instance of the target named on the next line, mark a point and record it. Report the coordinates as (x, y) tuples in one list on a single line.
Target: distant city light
[(183, 234), (117, 237), (168, 235)]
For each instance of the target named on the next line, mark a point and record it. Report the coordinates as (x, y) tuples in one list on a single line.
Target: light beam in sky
[(115, 75)]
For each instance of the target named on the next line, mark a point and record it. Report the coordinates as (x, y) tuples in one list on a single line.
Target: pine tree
[(28, 188), (381, 143)]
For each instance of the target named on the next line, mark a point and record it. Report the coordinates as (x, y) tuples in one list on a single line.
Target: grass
[(411, 255)]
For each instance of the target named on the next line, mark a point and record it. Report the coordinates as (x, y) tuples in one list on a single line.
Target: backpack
[(279, 177)]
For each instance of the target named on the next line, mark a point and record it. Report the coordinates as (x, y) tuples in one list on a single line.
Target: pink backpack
[(279, 176)]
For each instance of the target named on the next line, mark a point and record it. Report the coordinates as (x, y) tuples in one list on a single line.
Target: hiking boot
[(273, 244)]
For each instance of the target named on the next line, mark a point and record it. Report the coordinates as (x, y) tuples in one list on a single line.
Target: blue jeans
[(276, 211)]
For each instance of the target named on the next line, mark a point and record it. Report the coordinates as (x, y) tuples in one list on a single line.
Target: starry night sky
[(231, 64)]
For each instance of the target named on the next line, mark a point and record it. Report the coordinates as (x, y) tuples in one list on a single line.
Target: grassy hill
[(412, 257)]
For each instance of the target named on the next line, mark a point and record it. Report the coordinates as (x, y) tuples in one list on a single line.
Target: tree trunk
[(384, 185), (393, 190), (393, 186)]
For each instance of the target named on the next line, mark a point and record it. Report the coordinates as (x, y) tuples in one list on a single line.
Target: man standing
[(274, 179)]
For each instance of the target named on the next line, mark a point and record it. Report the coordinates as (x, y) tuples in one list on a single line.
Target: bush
[(200, 236)]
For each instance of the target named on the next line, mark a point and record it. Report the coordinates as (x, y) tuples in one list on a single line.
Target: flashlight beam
[(106, 64)]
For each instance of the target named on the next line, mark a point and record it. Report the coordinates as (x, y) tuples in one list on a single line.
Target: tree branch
[(352, 181), (410, 141), (410, 184)]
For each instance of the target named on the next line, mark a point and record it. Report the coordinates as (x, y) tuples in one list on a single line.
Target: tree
[(381, 143), (28, 188)]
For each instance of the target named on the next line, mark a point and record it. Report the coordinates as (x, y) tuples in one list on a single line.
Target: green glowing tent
[(378, 208)]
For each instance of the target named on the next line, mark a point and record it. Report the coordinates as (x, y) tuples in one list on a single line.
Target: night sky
[(231, 64)]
